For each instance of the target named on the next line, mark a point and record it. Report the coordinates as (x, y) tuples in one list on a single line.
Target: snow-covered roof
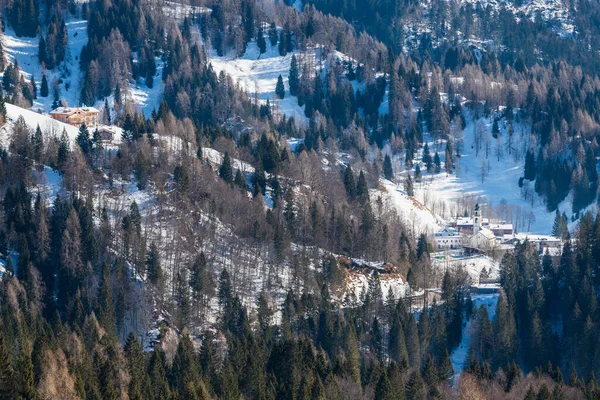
[(488, 234), (447, 232), (501, 226), (69, 110), (467, 221)]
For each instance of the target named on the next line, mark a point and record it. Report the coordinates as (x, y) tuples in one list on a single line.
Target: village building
[(106, 133), (448, 238), (77, 116)]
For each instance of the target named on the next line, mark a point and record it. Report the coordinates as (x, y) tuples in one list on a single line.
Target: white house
[(448, 238)]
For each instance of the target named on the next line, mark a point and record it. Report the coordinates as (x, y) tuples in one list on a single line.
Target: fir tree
[(529, 165), (294, 77), (362, 190), (7, 389), (280, 88), (154, 271), (349, 182), (260, 40), (83, 139), (135, 362), (105, 309), (282, 47), (44, 91), (225, 171), (437, 163), (388, 171), (273, 37)]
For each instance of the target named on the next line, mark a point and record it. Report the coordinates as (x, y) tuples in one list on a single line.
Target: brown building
[(77, 116)]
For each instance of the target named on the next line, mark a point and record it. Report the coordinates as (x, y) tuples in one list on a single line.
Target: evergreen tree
[(260, 41), (349, 182), (135, 362), (44, 91), (362, 190), (280, 88), (529, 165), (24, 377), (294, 77), (7, 389), (282, 47), (388, 171), (154, 271), (273, 37), (225, 171), (83, 139), (408, 186), (437, 163), (105, 309)]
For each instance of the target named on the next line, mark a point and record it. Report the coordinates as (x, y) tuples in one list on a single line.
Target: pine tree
[(105, 308), (7, 388), (408, 186), (135, 362), (44, 91), (294, 77), (225, 291), (83, 139), (25, 379), (529, 165), (154, 271), (449, 163), (273, 37), (445, 369), (349, 182), (225, 171), (282, 47), (397, 344), (388, 171), (437, 163), (260, 40), (362, 190), (280, 88), (33, 87)]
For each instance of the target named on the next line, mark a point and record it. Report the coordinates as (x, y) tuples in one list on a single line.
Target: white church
[(472, 233)]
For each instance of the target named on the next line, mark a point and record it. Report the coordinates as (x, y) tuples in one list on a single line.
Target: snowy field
[(451, 194), (257, 73), (415, 216), (25, 51)]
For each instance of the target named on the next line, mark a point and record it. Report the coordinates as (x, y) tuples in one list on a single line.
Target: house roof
[(69, 110), (488, 234), (501, 226)]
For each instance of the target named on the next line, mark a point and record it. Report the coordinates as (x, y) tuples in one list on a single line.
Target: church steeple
[(476, 219)]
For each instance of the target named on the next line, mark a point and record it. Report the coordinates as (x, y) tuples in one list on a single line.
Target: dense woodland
[(89, 281)]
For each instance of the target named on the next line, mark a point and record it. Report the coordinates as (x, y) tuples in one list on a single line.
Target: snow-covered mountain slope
[(257, 74), (33, 119), (415, 215), (67, 75), (450, 195)]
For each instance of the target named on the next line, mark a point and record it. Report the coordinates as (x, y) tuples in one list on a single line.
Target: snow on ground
[(415, 216), (459, 355), (25, 51), (446, 193), (33, 119), (358, 284), (48, 183), (2, 268), (257, 73), (147, 99), (473, 265), (68, 75)]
